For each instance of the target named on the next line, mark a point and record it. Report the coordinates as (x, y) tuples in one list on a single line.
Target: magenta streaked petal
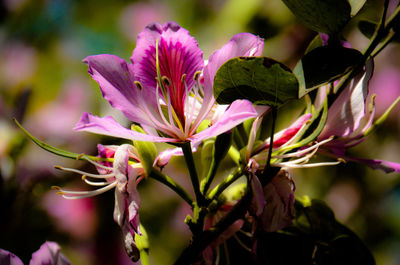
[(8, 258), (108, 126), (116, 80), (238, 112), (49, 254), (285, 135), (179, 55)]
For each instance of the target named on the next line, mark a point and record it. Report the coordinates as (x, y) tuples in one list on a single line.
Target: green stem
[(187, 152), (226, 182), (381, 33), (157, 175), (192, 253), (271, 142), (383, 45), (205, 185)]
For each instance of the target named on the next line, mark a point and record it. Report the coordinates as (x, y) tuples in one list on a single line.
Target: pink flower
[(123, 176), (350, 117), (163, 89), (48, 254)]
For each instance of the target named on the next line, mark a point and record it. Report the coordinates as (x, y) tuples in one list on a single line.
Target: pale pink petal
[(346, 112), (108, 126), (258, 201), (164, 156), (8, 258), (49, 254), (242, 44), (127, 199), (279, 202), (238, 112)]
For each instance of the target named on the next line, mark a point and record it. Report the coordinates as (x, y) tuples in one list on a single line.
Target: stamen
[(165, 80), (304, 159), (98, 176), (183, 79), (241, 243), (283, 165), (248, 234), (138, 85), (304, 151), (192, 109), (84, 194), (196, 75), (97, 164), (217, 255), (176, 119), (159, 78), (94, 183)]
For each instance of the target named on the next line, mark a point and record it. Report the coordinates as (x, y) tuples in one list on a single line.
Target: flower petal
[(238, 112), (127, 199), (164, 156), (346, 112), (8, 258), (108, 126), (50, 254), (282, 137), (386, 166), (116, 81), (279, 201), (179, 55), (242, 44)]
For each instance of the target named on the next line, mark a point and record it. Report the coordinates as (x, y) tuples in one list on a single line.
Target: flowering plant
[(172, 95)]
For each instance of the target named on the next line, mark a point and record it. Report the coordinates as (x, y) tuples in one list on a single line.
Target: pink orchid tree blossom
[(48, 254), (273, 204), (123, 175), (350, 119), (163, 90), (282, 141)]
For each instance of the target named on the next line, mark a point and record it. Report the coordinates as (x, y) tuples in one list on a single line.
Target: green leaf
[(259, 79), (147, 150), (58, 151), (328, 16), (142, 243), (315, 43), (356, 6), (368, 28), (207, 155), (323, 65), (315, 237)]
